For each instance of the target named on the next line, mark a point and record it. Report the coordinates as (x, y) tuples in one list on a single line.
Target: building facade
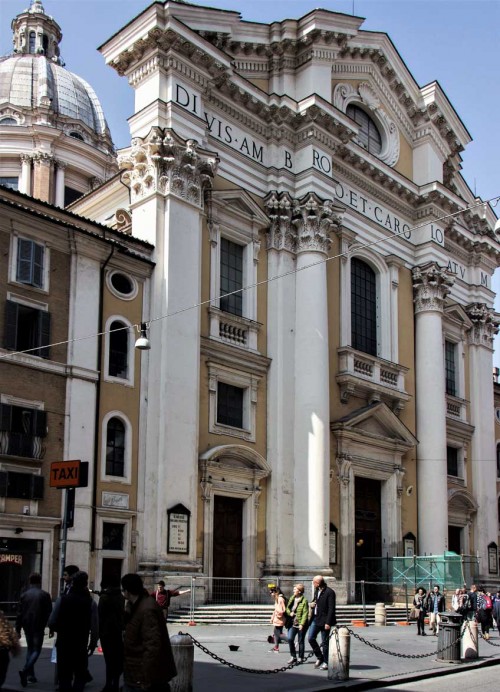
[(318, 394)]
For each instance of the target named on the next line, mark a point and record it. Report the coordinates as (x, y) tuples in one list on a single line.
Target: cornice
[(225, 354)]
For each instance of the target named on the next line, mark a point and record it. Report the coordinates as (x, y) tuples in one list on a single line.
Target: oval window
[(122, 284), (76, 135)]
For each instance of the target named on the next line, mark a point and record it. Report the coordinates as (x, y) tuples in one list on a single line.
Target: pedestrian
[(435, 606), (111, 610), (278, 617), (68, 573), (496, 611), (148, 659), (455, 600), (472, 606), (75, 620), (420, 604), (484, 612), (9, 646), (323, 619), (297, 609), (163, 596), (34, 610)]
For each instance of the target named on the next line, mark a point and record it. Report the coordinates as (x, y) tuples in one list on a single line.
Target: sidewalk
[(369, 668)]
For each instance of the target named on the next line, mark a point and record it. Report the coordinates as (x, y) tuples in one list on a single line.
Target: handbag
[(414, 613)]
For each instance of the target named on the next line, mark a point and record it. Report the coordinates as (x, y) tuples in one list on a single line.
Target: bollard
[(470, 641), (339, 651), (183, 650), (380, 615)]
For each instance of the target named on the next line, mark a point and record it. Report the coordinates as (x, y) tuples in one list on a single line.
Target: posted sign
[(65, 474)]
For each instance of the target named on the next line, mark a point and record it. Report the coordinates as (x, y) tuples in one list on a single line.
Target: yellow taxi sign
[(65, 474)]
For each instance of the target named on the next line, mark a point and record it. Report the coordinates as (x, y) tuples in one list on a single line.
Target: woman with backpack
[(484, 612), (278, 616), (297, 611)]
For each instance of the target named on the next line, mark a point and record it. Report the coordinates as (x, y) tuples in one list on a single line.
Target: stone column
[(59, 197), (482, 461), (313, 219), (167, 176), (25, 182), (431, 284), (43, 170), (280, 383)]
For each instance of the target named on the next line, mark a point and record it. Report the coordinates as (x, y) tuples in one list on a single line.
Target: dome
[(32, 81)]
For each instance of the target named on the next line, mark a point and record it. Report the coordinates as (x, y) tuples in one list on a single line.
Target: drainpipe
[(97, 431)]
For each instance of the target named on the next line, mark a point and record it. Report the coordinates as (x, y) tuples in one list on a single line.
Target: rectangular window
[(11, 183), (450, 359), (29, 262), (231, 277), (26, 329), (230, 405), (452, 461), (21, 431), (112, 536), (24, 486)]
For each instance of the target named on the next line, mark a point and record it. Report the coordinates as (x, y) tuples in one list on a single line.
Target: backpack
[(488, 603)]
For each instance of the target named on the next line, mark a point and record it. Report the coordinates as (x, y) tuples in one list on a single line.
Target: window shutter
[(40, 423), (3, 483), (24, 261), (38, 265), (44, 334), (5, 417), (36, 487), (10, 335)]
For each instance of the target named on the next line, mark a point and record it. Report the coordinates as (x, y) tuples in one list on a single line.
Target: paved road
[(369, 669), (472, 681)]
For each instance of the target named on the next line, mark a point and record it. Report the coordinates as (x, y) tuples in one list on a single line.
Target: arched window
[(115, 448), (8, 121), (76, 135), (118, 350), (45, 43), (32, 42), (498, 460), (363, 307), (368, 136)]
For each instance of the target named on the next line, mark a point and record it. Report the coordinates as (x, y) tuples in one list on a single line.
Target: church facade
[(318, 394)]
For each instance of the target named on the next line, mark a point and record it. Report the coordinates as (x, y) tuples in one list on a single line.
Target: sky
[(454, 42)]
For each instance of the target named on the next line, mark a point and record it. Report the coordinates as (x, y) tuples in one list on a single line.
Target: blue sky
[(455, 42)]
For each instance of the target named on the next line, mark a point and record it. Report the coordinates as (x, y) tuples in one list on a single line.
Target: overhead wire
[(493, 201)]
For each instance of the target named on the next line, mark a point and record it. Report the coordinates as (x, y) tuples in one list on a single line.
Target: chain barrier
[(413, 656), (334, 631), (256, 671), (481, 635)]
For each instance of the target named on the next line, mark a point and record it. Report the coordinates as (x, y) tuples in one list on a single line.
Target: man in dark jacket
[(75, 621), (435, 606), (111, 610), (35, 607), (148, 659), (324, 618)]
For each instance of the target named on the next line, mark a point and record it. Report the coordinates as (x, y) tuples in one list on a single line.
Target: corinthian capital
[(314, 219), (43, 158), (281, 234), (164, 163), (301, 225), (431, 285), (484, 325)]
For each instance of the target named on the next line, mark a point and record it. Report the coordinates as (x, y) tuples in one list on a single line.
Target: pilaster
[(167, 176), (43, 171), (482, 461)]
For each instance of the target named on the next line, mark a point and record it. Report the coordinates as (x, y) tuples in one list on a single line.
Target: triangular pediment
[(376, 422), (240, 203), (457, 314)]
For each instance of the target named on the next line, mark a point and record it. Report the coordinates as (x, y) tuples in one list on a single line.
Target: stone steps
[(260, 615)]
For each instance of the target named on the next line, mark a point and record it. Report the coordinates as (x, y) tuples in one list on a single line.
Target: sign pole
[(64, 540)]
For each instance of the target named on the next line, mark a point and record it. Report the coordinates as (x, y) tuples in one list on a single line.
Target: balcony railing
[(371, 378), (233, 329), (21, 445)]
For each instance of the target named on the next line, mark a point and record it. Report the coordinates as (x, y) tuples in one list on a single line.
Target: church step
[(260, 615)]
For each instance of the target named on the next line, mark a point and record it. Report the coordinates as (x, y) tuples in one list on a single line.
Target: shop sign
[(11, 559)]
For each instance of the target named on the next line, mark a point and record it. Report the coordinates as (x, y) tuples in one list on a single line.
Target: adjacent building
[(315, 277)]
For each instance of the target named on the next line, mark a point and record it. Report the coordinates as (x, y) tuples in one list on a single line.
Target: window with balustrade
[(22, 431)]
